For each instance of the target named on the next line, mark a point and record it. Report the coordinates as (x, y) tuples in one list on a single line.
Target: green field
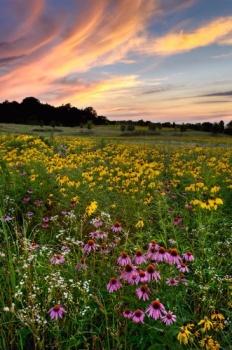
[(111, 241)]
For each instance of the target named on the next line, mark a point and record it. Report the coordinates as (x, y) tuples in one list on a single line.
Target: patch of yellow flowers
[(197, 334)]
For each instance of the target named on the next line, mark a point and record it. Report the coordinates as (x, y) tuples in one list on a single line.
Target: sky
[(158, 60)]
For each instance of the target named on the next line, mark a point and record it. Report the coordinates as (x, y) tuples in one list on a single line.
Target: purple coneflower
[(142, 275), (127, 314), (38, 202), (97, 222), (172, 282), (26, 199), (138, 316), (133, 278), (153, 244), (29, 214), (8, 218), (113, 285), (116, 227), (143, 292), (33, 246), (162, 255), (173, 258), (168, 318), (188, 256), (57, 259), (81, 266), (128, 272), (98, 235), (139, 258), (152, 273), (151, 254), (155, 309), (182, 267), (124, 259), (177, 220), (56, 312), (89, 246)]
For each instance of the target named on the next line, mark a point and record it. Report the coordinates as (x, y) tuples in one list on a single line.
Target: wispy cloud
[(209, 33)]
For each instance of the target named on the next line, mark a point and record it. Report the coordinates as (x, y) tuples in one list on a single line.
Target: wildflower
[(205, 324), (182, 267), (174, 257), (98, 235), (124, 259), (184, 336), (172, 282), (89, 246), (138, 316), (168, 318), (162, 255), (177, 220), (154, 245), (155, 309), (113, 285), (152, 273), (128, 274), (217, 316), (208, 343), (188, 256), (139, 224), (96, 222), (127, 314), (142, 275), (33, 246), (116, 227), (56, 312), (139, 258), (143, 292), (8, 218), (81, 266), (57, 259), (29, 214), (26, 199), (91, 208)]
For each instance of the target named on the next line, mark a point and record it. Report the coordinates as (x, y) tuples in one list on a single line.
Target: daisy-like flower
[(142, 276), (168, 318), (29, 214), (8, 218), (174, 258), (188, 256), (152, 273), (134, 278), (205, 324), (182, 279), (129, 270), (172, 282), (33, 246), (56, 312), (162, 255), (155, 310), (98, 235), (138, 316), (217, 316), (81, 266), (153, 244), (185, 335), (117, 227), (113, 285), (127, 314), (182, 267), (139, 258), (143, 292), (57, 259), (124, 259), (151, 254), (177, 220), (97, 222), (89, 246)]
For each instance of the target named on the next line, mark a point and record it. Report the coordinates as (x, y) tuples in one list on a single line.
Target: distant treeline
[(31, 111)]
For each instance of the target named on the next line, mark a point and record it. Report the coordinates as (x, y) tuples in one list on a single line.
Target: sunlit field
[(121, 243)]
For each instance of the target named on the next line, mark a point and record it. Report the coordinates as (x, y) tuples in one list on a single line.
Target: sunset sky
[(160, 60)]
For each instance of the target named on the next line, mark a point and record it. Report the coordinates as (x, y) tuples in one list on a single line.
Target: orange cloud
[(210, 33)]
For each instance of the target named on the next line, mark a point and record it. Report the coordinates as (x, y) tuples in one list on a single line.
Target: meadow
[(112, 242)]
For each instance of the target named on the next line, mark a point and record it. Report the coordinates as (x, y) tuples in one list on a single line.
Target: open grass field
[(112, 242)]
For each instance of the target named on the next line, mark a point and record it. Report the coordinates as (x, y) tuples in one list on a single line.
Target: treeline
[(214, 128), (31, 111)]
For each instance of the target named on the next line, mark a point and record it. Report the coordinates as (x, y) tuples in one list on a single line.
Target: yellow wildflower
[(205, 324), (139, 224), (91, 208)]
